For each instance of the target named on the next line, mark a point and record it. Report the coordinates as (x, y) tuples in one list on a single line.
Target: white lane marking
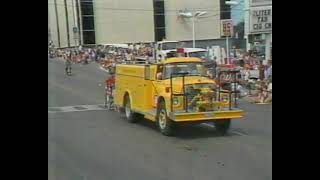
[(232, 131), (209, 125), (76, 108), (103, 69), (239, 133)]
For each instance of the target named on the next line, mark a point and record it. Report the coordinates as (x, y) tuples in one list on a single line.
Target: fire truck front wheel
[(131, 116), (165, 124), (222, 126)]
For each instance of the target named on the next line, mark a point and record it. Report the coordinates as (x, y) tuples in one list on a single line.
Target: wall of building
[(121, 21), (246, 22), (52, 23), (178, 28), (71, 21), (57, 22), (62, 23)]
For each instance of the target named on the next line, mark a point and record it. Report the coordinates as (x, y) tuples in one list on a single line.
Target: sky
[(237, 12)]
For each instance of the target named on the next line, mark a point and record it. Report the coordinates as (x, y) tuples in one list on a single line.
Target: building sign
[(75, 33), (261, 19), (226, 27), (75, 30), (260, 2)]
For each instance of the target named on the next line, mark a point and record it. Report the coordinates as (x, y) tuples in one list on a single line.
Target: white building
[(74, 22), (258, 25), (179, 28), (62, 18)]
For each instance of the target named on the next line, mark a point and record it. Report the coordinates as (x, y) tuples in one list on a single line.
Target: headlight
[(225, 98), (175, 101)]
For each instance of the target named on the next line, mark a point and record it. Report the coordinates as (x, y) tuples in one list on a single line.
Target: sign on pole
[(75, 30), (226, 28), (261, 19)]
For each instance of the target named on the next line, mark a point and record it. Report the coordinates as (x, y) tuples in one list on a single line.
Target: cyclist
[(68, 64)]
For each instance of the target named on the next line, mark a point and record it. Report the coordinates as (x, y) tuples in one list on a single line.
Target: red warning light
[(180, 50)]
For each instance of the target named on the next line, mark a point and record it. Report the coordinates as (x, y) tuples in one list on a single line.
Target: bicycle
[(109, 94), (68, 71)]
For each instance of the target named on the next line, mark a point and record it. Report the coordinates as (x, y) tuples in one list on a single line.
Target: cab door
[(157, 83), (149, 88)]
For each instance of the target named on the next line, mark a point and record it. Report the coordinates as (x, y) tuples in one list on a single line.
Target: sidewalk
[(252, 99)]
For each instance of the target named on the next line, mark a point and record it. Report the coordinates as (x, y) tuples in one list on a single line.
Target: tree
[(239, 28), (239, 41)]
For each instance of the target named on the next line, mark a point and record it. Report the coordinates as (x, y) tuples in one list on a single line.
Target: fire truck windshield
[(198, 54), (191, 69), (169, 45)]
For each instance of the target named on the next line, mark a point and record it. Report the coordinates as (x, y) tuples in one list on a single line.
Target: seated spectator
[(269, 93), (263, 95)]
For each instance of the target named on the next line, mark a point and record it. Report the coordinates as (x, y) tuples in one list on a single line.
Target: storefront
[(258, 29)]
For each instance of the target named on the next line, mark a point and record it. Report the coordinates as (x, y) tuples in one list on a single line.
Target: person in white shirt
[(93, 55), (246, 75)]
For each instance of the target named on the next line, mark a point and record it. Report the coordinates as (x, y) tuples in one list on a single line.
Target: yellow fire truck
[(174, 91)]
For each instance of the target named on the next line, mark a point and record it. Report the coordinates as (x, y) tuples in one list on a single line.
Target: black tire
[(166, 125), (131, 116), (222, 126)]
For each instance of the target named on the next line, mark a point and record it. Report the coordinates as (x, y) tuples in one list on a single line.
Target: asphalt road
[(89, 143)]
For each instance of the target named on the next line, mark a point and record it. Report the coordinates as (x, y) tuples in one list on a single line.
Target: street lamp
[(200, 13), (195, 15), (230, 3)]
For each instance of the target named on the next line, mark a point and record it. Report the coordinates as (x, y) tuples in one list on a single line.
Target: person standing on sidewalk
[(98, 54), (269, 71), (93, 55), (261, 69)]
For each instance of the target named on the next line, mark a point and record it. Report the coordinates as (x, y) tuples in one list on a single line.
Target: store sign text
[(261, 19)]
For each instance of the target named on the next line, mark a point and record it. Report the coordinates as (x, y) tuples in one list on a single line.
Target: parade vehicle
[(162, 48), (192, 52), (174, 91)]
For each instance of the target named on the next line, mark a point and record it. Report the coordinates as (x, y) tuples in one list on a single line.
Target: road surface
[(86, 142)]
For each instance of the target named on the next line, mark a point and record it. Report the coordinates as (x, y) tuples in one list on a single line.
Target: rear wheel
[(222, 126), (131, 116), (164, 123)]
